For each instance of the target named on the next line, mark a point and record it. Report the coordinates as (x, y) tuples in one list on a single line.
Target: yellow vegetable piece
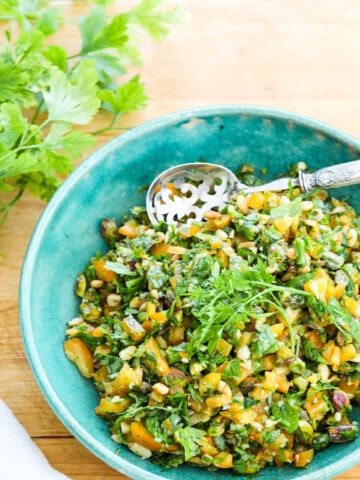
[(78, 352), (347, 353), (352, 305), (224, 347), (141, 436), (159, 362), (316, 406), (103, 273), (129, 229), (237, 414), (283, 224), (106, 406), (256, 201), (223, 460), (303, 459), (220, 400), (124, 381), (209, 383)]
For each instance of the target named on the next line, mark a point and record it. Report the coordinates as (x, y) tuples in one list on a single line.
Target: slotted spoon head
[(182, 194)]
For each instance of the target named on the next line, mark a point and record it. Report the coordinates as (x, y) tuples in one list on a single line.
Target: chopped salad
[(233, 343)]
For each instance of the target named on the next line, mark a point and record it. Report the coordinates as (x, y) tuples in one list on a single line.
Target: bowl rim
[(80, 433)]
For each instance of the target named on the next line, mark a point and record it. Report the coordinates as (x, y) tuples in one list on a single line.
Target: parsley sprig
[(237, 295), (48, 93)]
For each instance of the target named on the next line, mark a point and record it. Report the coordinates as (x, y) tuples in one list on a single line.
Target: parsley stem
[(276, 304), (37, 111), (8, 206)]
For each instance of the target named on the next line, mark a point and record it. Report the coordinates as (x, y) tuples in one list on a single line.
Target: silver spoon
[(182, 194)]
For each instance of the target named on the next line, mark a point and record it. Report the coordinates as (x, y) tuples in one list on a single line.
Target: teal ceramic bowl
[(107, 184)]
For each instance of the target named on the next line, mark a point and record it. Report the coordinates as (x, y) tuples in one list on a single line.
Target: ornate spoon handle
[(331, 177)]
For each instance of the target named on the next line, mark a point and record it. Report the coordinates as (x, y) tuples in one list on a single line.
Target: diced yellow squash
[(194, 229), (302, 459), (176, 335), (352, 305), (277, 329), (255, 200), (224, 347), (223, 460), (103, 273), (315, 339), (133, 328), (207, 446), (350, 386), (129, 229), (317, 286), (159, 362), (209, 383), (166, 249), (347, 353), (316, 406), (141, 436), (283, 224), (237, 414), (274, 381), (79, 353), (123, 382), (106, 406), (222, 399), (269, 362)]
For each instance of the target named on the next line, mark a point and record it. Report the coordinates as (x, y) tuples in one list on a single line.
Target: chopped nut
[(138, 449), (160, 388), (96, 284), (113, 300)]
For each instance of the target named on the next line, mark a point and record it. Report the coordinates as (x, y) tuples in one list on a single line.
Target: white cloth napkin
[(20, 458)]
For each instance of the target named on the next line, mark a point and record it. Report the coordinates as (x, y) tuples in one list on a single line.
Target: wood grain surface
[(296, 55)]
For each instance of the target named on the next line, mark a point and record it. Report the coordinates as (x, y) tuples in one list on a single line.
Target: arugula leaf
[(189, 438), (286, 415)]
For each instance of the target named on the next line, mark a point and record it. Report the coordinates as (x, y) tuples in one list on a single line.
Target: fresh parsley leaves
[(189, 438), (265, 341), (286, 415), (65, 90)]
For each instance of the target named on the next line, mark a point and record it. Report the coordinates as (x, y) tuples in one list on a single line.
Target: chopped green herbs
[(230, 348)]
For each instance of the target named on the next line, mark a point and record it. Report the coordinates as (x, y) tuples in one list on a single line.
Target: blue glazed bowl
[(107, 184)]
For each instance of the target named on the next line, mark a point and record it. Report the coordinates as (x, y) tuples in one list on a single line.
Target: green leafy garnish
[(189, 438), (64, 90), (265, 341), (291, 209), (286, 415)]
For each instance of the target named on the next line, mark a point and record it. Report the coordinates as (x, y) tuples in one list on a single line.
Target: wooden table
[(300, 55)]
